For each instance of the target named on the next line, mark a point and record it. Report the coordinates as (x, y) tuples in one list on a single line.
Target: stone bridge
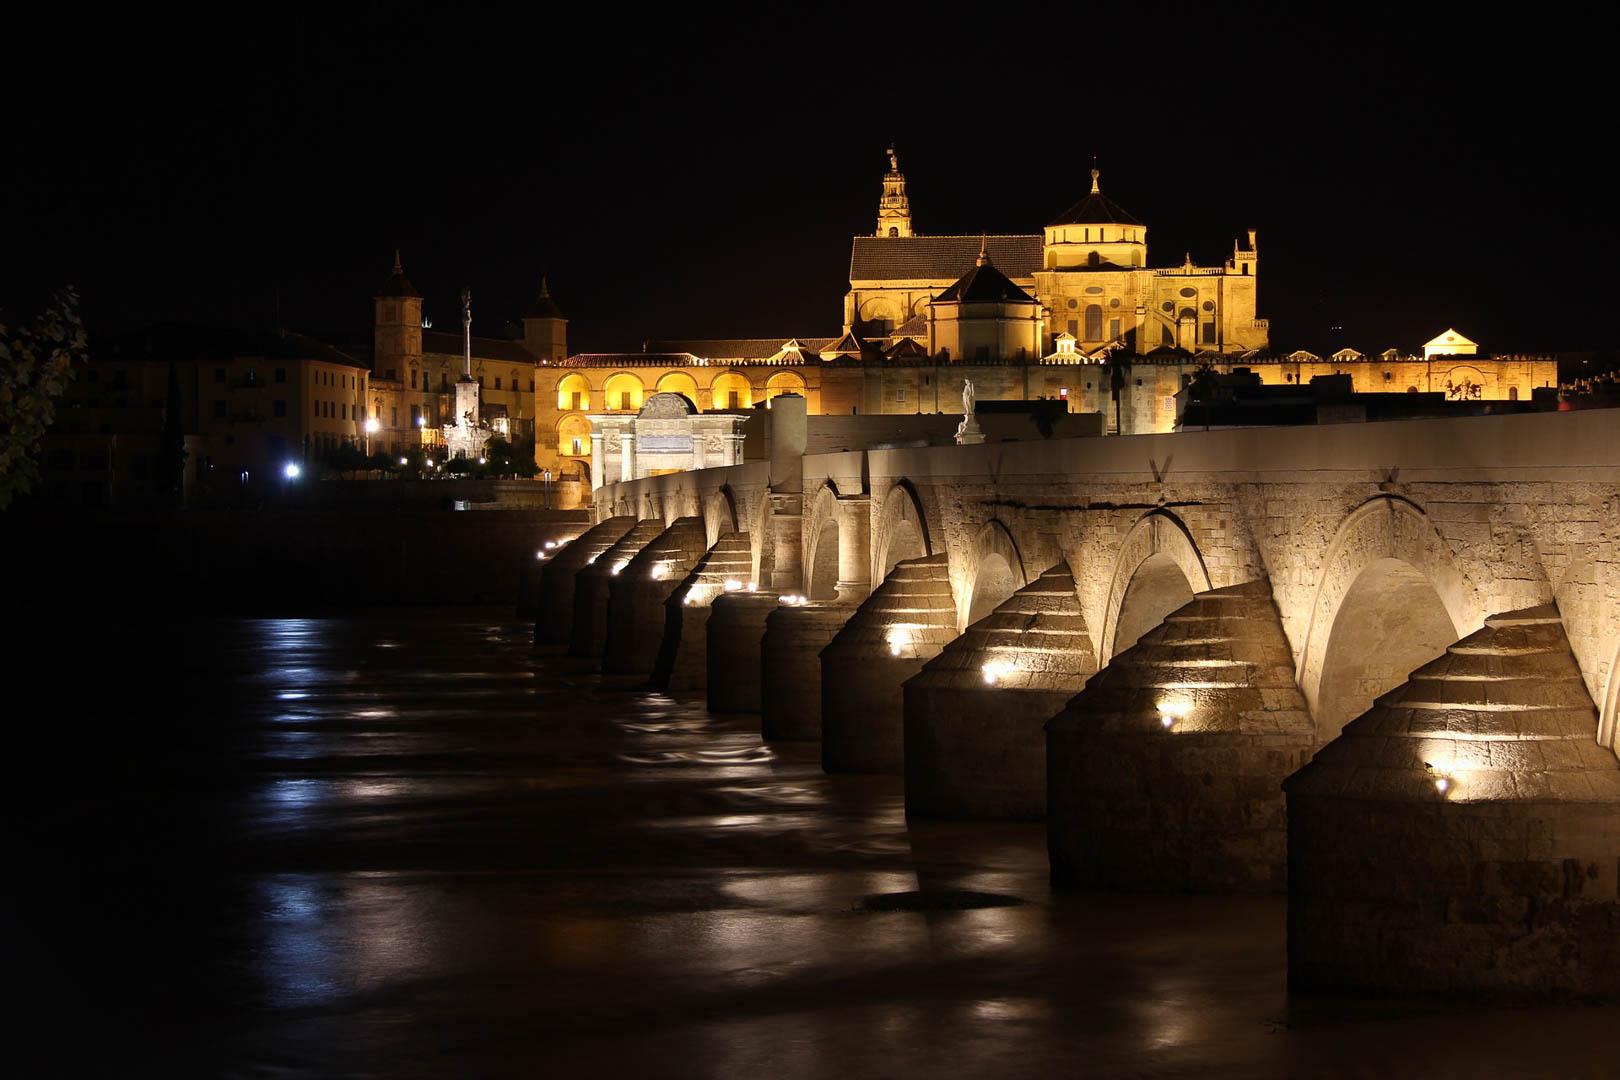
[(1373, 665)]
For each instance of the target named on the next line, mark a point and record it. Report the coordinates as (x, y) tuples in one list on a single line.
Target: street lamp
[(373, 425)]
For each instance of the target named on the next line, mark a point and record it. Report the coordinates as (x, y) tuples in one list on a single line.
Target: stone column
[(597, 479), (700, 448), (854, 548), (627, 457), (789, 437), (787, 543)]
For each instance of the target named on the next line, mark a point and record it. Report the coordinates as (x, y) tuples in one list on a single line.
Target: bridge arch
[(719, 513), (901, 532), (1158, 569), (822, 551), (1388, 599), (995, 571)]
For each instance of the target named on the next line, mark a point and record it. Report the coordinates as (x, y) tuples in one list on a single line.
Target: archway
[(719, 514), (821, 558), (622, 393), (902, 532), (731, 391), (784, 382), (998, 572), (1390, 623), (679, 382), (821, 583), (1384, 529), (574, 436), (1158, 569), (574, 393), (1157, 588)]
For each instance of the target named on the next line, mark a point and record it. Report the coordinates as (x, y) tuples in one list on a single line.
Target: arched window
[(1513, 393), (574, 393), (623, 392), (1094, 325), (893, 231), (731, 391), (1093, 259)]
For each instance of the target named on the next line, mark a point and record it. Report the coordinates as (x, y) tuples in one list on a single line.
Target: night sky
[(679, 173)]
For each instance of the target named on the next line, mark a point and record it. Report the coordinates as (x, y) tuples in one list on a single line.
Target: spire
[(545, 292), (398, 284), (1095, 173), (984, 254)]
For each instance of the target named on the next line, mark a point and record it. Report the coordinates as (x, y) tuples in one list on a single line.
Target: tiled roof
[(939, 258), (737, 348), (916, 326), (984, 284), (444, 343), (1095, 209)]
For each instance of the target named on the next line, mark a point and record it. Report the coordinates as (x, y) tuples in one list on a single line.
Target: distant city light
[(291, 471), (483, 461), (404, 461)]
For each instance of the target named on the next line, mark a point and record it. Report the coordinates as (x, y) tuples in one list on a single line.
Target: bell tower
[(545, 329), (894, 209), (396, 331)]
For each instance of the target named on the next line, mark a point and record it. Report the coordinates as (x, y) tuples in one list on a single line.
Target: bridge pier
[(975, 718), (592, 585), (736, 627), (683, 654), (790, 702), (554, 606), (1165, 772), (636, 615), (904, 623), (1462, 836)]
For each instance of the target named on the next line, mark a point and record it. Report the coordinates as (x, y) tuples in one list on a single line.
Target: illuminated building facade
[(1074, 313)]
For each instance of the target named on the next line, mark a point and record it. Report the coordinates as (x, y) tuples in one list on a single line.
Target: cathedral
[(1075, 312)]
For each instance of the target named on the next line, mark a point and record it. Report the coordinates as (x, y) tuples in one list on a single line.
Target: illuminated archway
[(731, 391), (679, 382), (1159, 533), (1390, 622), (574, 436), (574, 393), (719, 514), (784, 382), (1158, 588), (902, 531), (622, 393), (822, 556), (998, 572), (1384, 528)]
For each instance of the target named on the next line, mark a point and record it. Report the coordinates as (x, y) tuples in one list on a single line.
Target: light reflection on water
[(463, 861)]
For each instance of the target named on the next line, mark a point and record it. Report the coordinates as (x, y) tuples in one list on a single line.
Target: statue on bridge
[(967, 432)]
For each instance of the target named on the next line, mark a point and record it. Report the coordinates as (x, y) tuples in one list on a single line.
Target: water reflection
[(429, 853)]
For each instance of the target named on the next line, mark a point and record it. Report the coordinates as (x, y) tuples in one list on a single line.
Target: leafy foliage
[(36, 363)]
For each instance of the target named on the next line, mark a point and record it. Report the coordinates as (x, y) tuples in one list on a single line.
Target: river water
[(405, 845)]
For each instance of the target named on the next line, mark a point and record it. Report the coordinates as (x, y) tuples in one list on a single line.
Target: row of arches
[(1388, 596), (625, 391)]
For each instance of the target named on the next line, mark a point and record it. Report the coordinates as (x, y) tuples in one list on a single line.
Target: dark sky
[(699, 171)]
